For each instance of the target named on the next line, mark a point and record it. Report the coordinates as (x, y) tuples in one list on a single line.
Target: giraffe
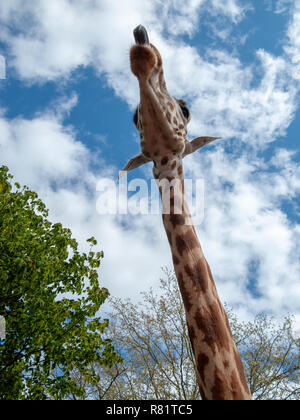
[(162, 123)]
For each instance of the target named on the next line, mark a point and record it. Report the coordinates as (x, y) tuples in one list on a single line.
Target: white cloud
[(63, 34), (2, 67), (282, 6), (179, 17), (42, 149), (62, 107), (226, 97), (244, 225), (293, 46), (233, 9)]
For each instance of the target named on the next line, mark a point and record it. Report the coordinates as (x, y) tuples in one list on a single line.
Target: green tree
[(50, 298), (158, 360)]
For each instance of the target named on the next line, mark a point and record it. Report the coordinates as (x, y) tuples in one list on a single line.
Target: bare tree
[(158, 362), (271, 355)]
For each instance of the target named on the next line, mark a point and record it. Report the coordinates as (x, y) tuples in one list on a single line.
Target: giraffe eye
[(185, 111), (135, 118)]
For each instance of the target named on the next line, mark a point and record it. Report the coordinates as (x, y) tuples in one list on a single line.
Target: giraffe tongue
[(141, 36)]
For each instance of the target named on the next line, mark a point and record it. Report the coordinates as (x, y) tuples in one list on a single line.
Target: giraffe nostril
[(141, 35)]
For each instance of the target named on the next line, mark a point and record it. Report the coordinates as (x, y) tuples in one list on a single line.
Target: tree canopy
[(50, 299)]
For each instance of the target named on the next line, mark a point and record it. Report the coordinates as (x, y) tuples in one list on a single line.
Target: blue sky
[(66, 109)]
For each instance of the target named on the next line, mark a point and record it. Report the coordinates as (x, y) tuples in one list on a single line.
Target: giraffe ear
[(197, 143), (134, 163)]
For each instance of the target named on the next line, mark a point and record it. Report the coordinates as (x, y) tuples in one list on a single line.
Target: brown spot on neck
[(210, 322), (198, 274), (202, 361), (176, 260), (220, 390), (186, 297), (186, 242), (176, 219)]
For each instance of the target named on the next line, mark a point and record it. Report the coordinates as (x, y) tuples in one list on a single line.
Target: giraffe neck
[(220, 371)]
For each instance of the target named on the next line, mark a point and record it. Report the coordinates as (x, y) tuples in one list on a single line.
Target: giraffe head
[(160, 118)]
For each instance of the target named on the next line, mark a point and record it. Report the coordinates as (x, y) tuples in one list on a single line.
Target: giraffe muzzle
[(141, 35)]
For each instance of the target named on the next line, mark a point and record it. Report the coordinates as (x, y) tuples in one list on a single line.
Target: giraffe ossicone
[(162, 122)]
